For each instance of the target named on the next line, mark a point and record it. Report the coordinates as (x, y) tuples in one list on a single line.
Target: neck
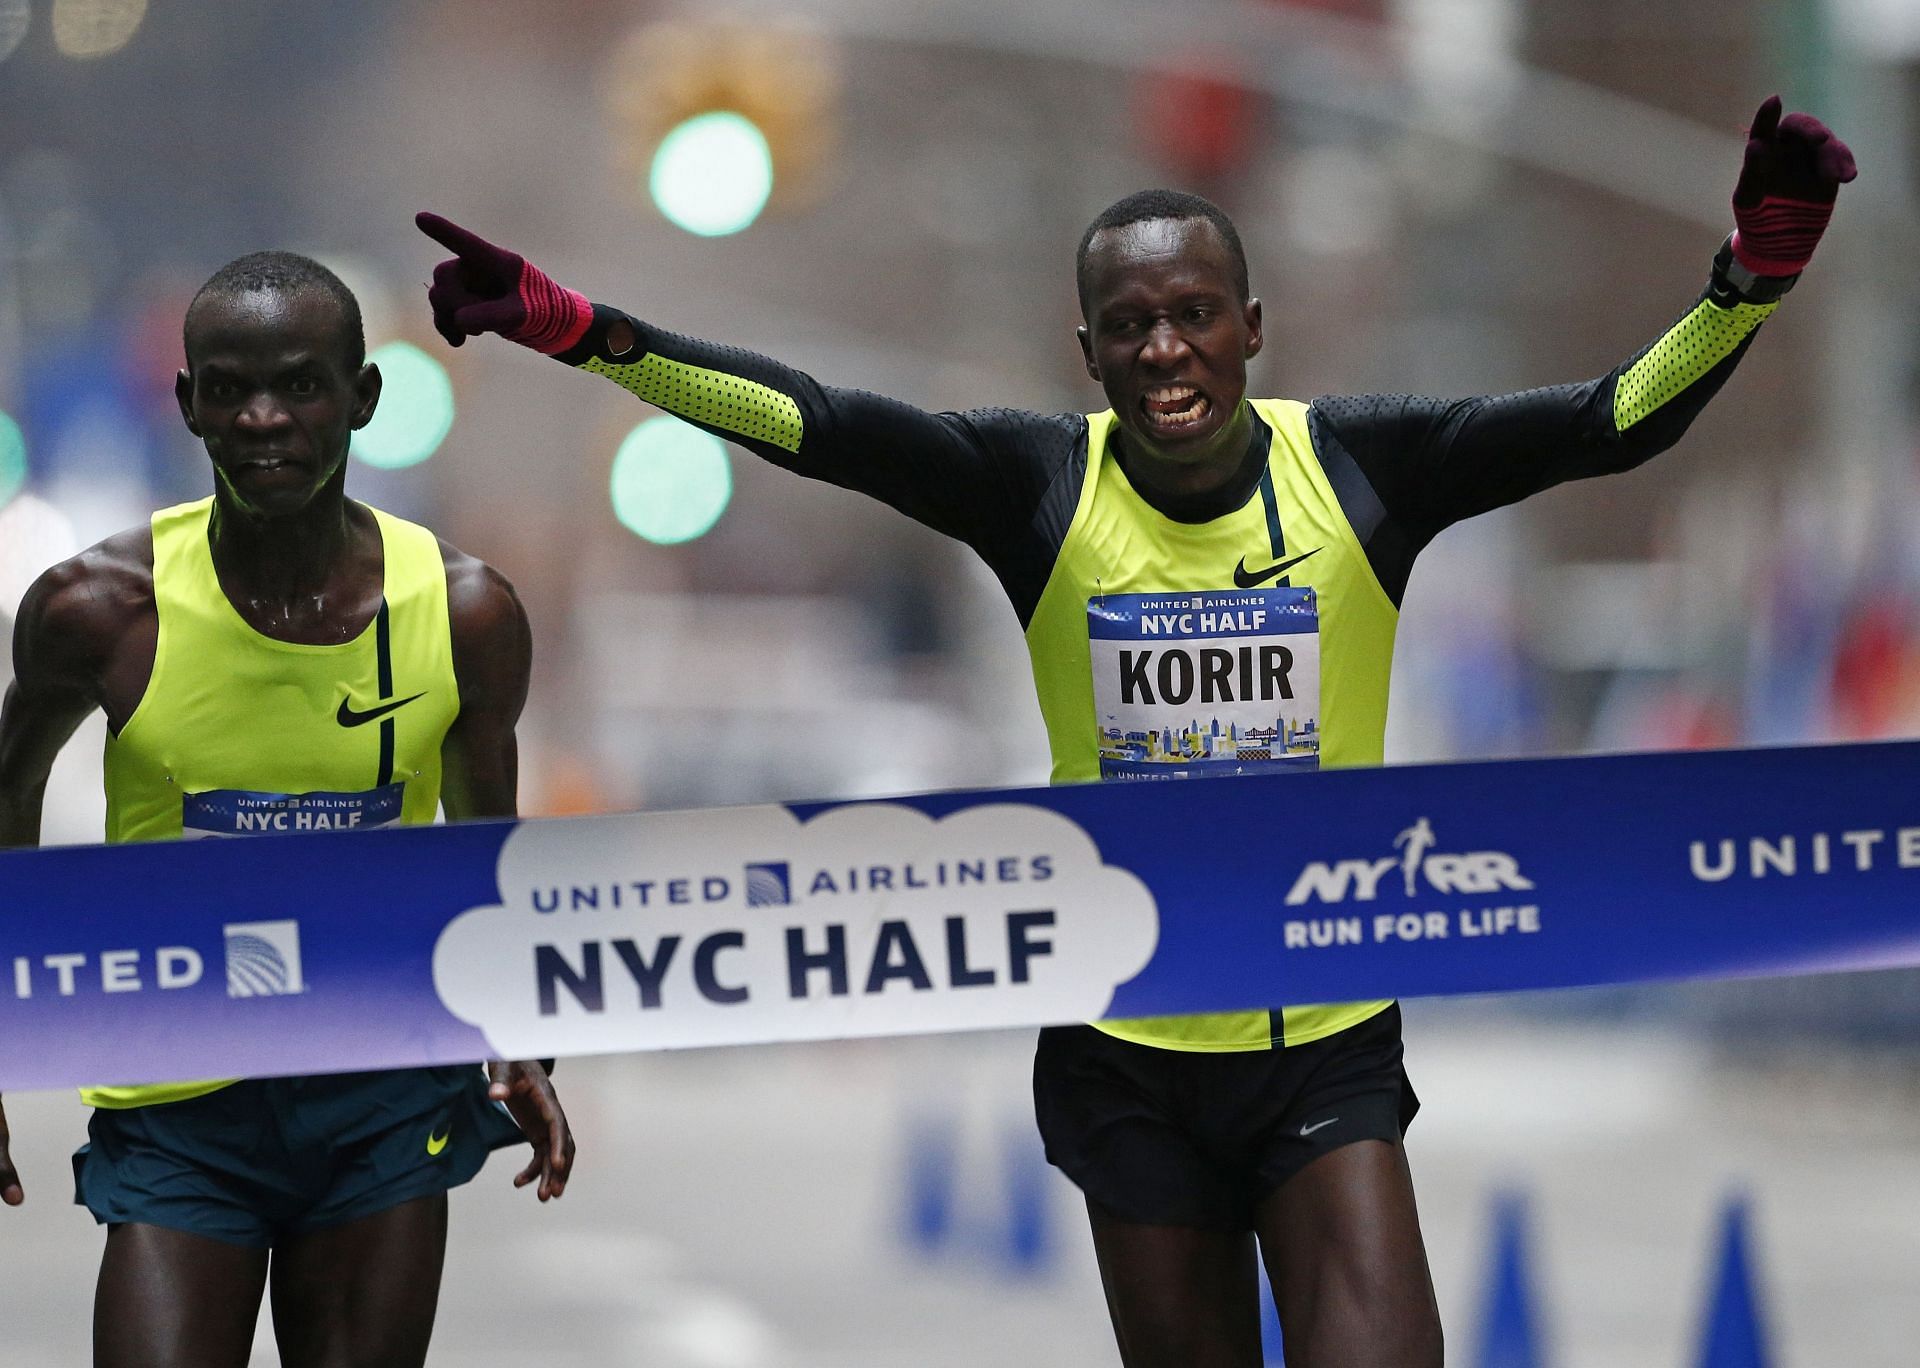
[(284, 562), (1191, 478)]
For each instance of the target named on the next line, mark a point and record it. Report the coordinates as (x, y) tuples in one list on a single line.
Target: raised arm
[(1408, 467), (975, 476)]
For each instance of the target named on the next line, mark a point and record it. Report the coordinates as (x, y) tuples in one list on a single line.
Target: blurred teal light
[(671, 481), (712, 174), (415, 411), (13, 459)]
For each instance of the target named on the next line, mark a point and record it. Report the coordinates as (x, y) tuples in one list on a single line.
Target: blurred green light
[(415, 410), (13, 459), (712, 174), (671, 481)]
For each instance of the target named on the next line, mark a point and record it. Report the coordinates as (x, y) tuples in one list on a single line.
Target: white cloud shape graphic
[(999, 915)]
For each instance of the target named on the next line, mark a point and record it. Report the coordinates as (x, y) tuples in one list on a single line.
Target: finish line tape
[(946, 912)]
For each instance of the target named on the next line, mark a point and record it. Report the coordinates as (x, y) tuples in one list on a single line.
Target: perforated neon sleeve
[(1686, 352), (731, 403), (1412, 465), (982, 476)]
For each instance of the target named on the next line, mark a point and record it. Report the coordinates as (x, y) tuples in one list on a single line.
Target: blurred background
[(1437, 196)]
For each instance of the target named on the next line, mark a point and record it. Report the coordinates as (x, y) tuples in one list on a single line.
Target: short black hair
[(284, 273), (1144, 205)]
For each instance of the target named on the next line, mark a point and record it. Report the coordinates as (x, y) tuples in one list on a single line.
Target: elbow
[(1635, 446)]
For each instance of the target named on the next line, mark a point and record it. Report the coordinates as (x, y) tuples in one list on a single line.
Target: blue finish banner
[(357, 949)]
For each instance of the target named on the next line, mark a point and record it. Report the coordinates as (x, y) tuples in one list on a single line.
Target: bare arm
[(480, 764), (68, 641), (83, 640), (54, 688), (492, 661)]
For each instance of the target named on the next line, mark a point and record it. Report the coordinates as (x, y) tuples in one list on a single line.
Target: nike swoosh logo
[(1318, 1125), (1247, 579), (436, 1143), (347, 717)]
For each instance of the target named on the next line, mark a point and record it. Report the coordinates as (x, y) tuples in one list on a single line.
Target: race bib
[(1203, 684), (236, 812)]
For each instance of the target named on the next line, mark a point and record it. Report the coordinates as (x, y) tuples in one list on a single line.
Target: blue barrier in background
[(1734, 1335), (1273, 1351), (932, 1170), (1001, 1218), (1510, 1334), (1023, 1244), (1030, 1245)]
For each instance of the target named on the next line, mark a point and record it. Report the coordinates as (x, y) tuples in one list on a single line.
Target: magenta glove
[(487, 289), (1794, 169)]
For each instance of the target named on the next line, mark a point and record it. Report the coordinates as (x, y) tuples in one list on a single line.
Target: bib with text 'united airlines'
[(235, 812), (1210, 683)]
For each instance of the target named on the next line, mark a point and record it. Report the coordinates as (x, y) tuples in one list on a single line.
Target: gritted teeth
[(1174, 403)]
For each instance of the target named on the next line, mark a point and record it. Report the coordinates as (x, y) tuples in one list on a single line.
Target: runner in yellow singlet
[(278, 654), (1209, 585)]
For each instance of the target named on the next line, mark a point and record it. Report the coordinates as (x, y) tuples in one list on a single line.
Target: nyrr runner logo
[(1415, 870)]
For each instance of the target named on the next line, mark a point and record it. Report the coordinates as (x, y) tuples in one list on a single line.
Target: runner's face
[(271, 391), (1168, 337)]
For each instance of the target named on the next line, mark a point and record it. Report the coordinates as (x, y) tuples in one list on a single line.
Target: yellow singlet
[(239, 733), (1151, 631)]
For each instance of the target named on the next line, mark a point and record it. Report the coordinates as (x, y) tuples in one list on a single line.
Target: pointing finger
[(453, 237)]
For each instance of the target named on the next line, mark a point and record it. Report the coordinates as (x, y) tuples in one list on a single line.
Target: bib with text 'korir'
[(1205, 684)]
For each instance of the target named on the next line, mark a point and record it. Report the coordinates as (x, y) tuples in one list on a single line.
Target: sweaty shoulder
[(84, 606), (86, 628), (492, 643), (480, 600)]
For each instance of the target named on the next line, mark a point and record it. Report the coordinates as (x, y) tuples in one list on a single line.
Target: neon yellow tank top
[(238, 733), (1257, 642)]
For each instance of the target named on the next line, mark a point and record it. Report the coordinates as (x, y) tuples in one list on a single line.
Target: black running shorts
[(1190, 1138)]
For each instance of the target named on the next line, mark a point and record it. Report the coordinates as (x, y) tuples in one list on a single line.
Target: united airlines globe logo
[(769, 885), (263, 959)]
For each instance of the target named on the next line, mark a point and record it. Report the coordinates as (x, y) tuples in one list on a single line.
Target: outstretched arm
[(1407, 467), (975, 476)]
